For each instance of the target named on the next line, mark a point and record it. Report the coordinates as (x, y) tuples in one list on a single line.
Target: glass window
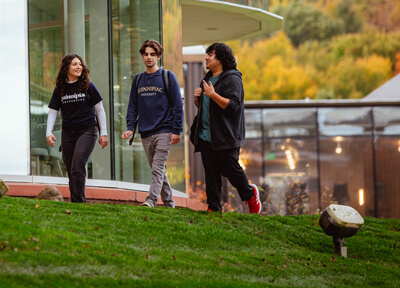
[(344, 121), (133, 23), (387, 161), (290, 175), (45, 54), (289, 122), (172, 59), (253, 123), (286, 171), (387, 120), (346, 172), (57, 28)]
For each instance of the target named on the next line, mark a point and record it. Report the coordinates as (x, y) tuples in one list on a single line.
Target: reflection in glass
[(290, 176), (387, 161), (285, 190), (344, 174), (54, 31), (387, 120), (344, 121), (45, 54), (133, 22), (253, 123), (289, 122), (173, 61)]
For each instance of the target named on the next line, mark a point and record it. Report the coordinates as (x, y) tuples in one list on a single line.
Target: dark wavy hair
[(152, 44), (224, 54), (62, 77)]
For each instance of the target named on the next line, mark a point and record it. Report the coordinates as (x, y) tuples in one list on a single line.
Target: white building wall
[(14, 89)]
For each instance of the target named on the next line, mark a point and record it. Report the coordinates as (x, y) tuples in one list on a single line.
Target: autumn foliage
[(327, 49)]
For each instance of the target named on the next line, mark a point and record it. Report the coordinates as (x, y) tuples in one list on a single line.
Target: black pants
[(223, 163), (77, 146)]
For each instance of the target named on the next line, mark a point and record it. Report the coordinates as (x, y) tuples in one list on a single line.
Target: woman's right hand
[(51, 140)]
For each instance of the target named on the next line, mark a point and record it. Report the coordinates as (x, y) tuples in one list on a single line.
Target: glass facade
[(57, 28), (305, 158), (387, 160), (133, 22), (108, 35)]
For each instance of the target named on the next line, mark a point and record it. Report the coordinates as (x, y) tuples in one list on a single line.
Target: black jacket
[(227, 126)]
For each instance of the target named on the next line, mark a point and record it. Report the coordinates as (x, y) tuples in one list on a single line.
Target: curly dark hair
[(224, 54), (152, 44), (62, 77)]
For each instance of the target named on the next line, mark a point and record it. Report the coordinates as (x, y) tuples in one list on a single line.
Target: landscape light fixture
[(340, 221)]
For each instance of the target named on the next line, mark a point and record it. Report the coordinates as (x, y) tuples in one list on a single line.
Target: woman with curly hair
[(218, 130), (80, 102)]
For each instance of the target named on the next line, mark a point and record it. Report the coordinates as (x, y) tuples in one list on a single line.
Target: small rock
[(3, 188), (50, 193)]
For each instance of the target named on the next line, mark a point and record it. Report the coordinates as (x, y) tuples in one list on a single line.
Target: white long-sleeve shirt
[(100, 113)]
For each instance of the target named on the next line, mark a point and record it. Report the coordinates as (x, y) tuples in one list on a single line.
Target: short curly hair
[(224, 54)]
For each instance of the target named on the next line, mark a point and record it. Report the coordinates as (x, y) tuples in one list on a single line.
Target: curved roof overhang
[(208, 21)]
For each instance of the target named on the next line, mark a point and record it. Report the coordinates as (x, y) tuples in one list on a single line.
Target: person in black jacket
[(218, 130)]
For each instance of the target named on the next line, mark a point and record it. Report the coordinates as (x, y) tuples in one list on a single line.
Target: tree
[(352, 21), (371, 42), (355, 78), (304, 22)]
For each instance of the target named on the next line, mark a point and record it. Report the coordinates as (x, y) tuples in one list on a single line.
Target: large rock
[(3, 188), (50, 193)]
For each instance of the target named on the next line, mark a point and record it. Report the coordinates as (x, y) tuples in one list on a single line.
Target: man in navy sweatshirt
[(155, 104), (219, 128)]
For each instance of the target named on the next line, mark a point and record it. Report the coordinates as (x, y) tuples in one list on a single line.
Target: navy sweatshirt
[(149, 105)]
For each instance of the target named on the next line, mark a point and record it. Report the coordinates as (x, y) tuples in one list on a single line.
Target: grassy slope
[(100, 245)]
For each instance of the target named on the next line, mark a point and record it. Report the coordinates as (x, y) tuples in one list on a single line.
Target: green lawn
[(57, 244)]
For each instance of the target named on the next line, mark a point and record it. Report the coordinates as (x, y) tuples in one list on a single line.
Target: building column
[(75, 33)]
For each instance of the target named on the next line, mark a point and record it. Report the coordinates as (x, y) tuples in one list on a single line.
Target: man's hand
[(197, 94), (210, 92), (175, 139), (208, 88), (103, 141), (127, 134)]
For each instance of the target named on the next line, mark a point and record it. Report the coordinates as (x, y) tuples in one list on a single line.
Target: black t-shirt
[(77, 108)]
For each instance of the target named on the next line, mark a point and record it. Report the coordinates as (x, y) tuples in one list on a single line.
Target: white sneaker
[(145, 203)]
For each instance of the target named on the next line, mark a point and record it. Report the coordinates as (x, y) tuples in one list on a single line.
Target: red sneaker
[(254, 202)]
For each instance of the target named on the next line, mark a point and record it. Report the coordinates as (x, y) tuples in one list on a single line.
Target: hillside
[(57, 244)]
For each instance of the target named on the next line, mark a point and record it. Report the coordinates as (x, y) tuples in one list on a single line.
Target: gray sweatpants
[(157, 149)]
